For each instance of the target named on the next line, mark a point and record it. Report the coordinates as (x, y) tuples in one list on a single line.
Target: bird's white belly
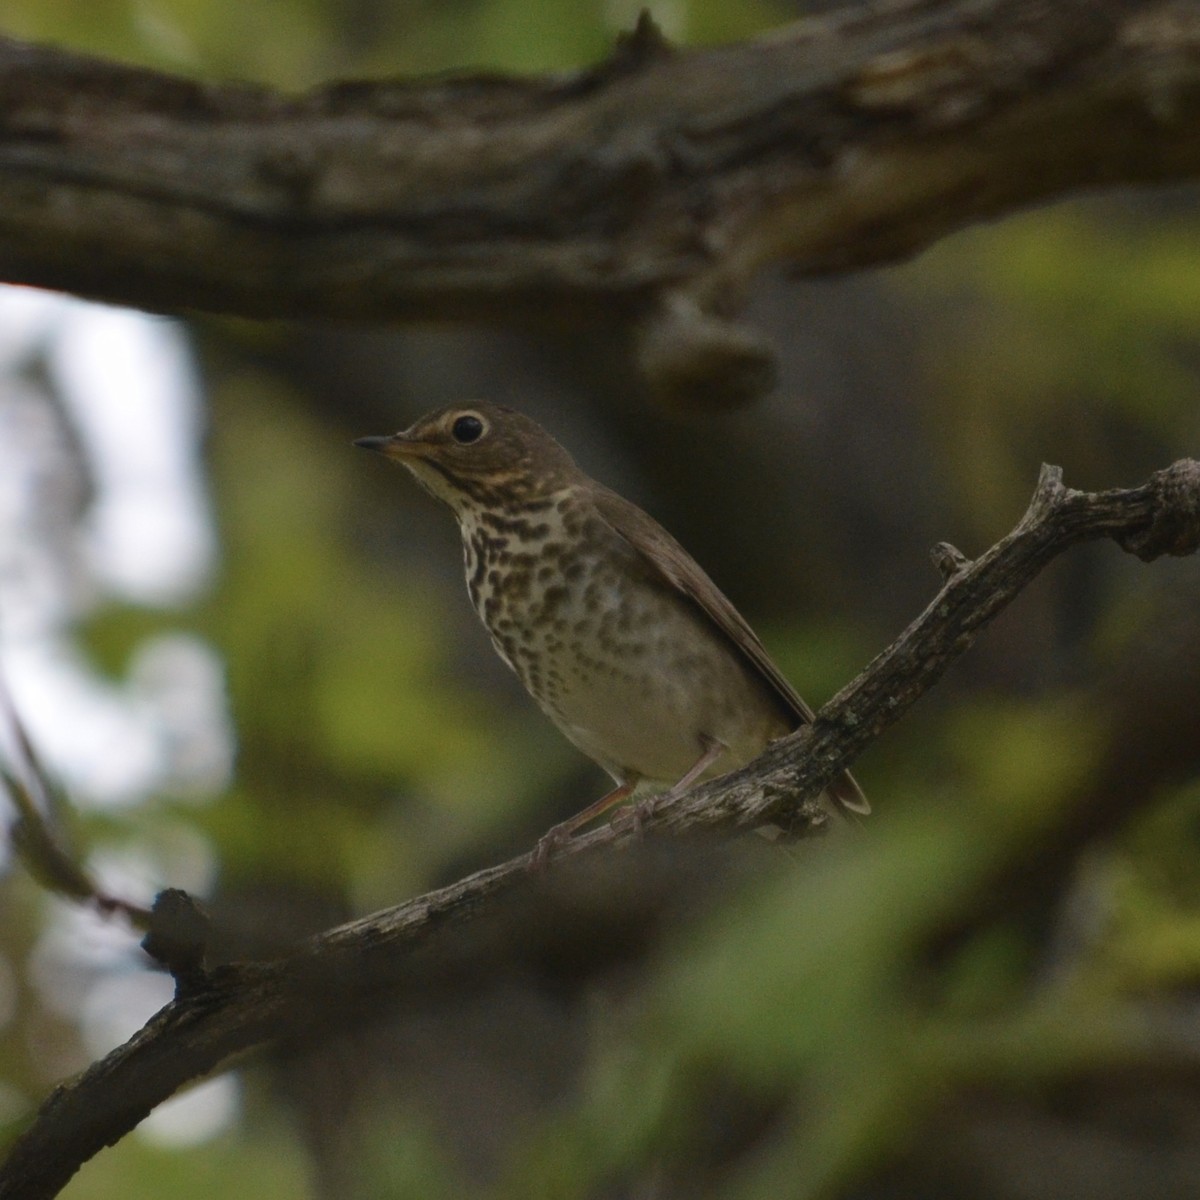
[(638, 680)]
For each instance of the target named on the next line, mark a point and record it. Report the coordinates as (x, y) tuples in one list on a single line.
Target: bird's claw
[(633, 817), (547, 846)]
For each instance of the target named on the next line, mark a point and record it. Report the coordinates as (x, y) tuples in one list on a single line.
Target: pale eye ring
[(467, 429)]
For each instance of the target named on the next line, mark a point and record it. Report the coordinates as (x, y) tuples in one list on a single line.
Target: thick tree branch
[(649, 188), (238, 1007)]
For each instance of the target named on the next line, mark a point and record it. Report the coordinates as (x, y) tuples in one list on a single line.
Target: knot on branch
[(695, 360), (178, 937), (643, 44), (1174, 524), (949, 560)]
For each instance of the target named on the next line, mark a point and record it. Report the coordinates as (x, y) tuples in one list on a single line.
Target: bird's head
[(475, 455)]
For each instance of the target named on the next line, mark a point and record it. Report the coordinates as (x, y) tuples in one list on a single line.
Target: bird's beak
[(396, 445)]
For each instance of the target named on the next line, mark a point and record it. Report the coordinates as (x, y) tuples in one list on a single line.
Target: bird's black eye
[(467, 430)]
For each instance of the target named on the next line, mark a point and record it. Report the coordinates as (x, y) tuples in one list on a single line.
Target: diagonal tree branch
[(220, 1015), (648, 189)]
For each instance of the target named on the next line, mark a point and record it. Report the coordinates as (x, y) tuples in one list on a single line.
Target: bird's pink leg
[(560, 833), (637, 813)]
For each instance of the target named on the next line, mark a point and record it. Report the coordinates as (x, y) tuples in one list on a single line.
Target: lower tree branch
[(221, 1014)]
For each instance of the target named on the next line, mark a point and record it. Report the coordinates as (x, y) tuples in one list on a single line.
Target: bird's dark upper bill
[(373, 443)]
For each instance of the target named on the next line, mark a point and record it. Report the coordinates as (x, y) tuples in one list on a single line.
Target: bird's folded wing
[(676, 567)]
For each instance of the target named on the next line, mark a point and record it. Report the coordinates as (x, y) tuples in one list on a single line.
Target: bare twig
[(647, 189), (35, 834), (241, 1006)]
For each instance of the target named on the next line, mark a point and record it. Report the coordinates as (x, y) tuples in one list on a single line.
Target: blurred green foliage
[(1073, 345), (336, 671), (297, 43), (264, 1165)]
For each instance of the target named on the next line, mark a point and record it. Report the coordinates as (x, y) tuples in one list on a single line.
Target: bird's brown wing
[(668, 559)]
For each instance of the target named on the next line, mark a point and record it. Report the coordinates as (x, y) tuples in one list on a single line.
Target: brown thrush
[(616, 632)]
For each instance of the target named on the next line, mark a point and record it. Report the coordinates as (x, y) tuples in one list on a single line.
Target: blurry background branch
[(648, 189), (36, 832), (459, 932)]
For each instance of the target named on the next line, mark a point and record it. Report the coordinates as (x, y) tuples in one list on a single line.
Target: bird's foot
[(556, 838), (633, 817), (629, 817), (548, 845)]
